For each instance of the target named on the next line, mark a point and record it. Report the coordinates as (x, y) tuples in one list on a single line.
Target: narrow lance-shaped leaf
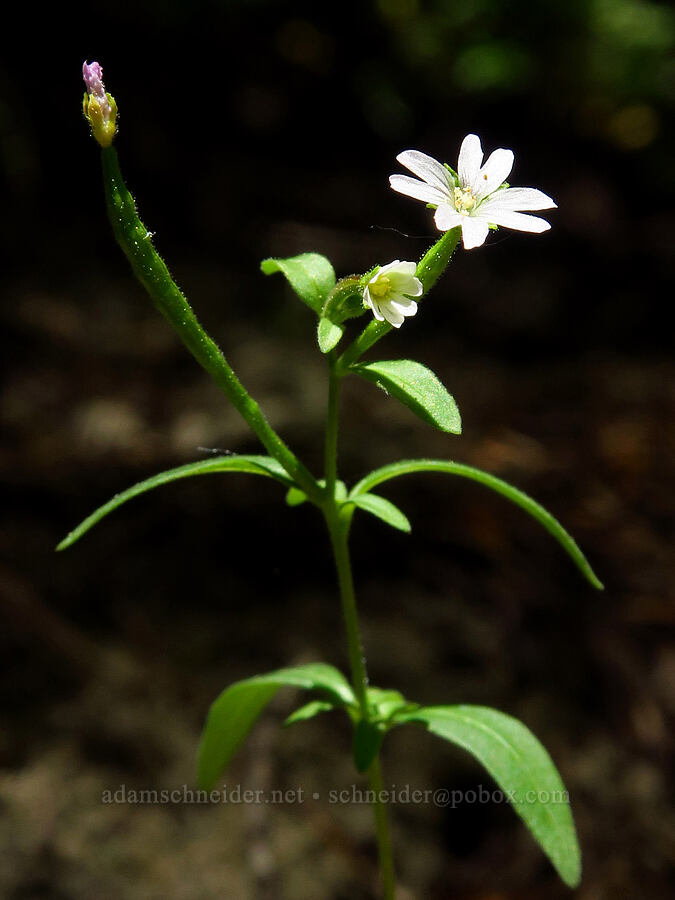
[(234, 712), (521, 767), (383, 509), (256, 465), (417, 388), (525, 502), (310, 275)]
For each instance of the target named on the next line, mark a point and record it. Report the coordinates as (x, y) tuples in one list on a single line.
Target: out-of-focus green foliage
[(610, 62)]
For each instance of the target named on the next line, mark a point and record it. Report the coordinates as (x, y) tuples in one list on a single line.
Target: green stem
[(370, 335), (330, 452), (385, 853), (150, 269), (338, 527), (338, 521)]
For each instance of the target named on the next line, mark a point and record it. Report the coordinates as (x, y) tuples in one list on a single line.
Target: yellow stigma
[(380, 287), (464, 200)]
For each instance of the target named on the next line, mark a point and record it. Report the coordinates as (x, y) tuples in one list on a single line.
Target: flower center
[(464, 200), (380, 287)]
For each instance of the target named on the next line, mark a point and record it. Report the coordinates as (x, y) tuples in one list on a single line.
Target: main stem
[(339, 521)]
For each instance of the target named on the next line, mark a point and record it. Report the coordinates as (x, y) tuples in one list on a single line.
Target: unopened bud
[(99, 107)]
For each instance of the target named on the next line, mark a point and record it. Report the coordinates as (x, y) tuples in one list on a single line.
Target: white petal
[(373, 305), (385, 270), (420, 190), (406, 286), (447, 217), (470, 159), (425, 167), (495, 172), (516, 220), (474, 232), (403, 306), (392, 315), (396, 266), (519, 198)]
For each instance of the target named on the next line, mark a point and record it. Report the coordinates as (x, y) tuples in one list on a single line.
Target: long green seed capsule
[(433, 263), (150, 269), (135, 240)]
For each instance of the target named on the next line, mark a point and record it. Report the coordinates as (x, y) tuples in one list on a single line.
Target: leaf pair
[(510, 753), (361, 495)]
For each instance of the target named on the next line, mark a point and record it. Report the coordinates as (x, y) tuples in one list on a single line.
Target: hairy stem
[(150, 269)]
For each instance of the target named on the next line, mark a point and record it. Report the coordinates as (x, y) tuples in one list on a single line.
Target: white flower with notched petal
[(390, 291), (475, 196)]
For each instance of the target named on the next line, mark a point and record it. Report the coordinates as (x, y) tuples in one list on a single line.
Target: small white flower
[(389, 292), (476, 196)]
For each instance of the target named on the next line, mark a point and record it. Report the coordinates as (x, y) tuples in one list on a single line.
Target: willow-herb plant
[(468, 202)]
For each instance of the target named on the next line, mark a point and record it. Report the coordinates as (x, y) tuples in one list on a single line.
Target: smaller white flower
[(390, 291), (475, 196)]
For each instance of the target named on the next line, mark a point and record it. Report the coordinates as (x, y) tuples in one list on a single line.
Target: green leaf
[(383, 509), (234, 712), (328, 335), (295, 497), (310, 275), (308, 711), (521, 767), (409, 466), (384, 703), (417, 388), (366, 744), (257, 465)]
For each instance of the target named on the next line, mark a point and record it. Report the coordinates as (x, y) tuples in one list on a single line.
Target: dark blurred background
[(250, 129)]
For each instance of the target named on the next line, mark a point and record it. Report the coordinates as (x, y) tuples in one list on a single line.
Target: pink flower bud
[(99, 107)]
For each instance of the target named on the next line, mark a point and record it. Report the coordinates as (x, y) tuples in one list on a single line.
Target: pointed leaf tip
[(253, 464), (521, 767), (311, 276), (524, 501)]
